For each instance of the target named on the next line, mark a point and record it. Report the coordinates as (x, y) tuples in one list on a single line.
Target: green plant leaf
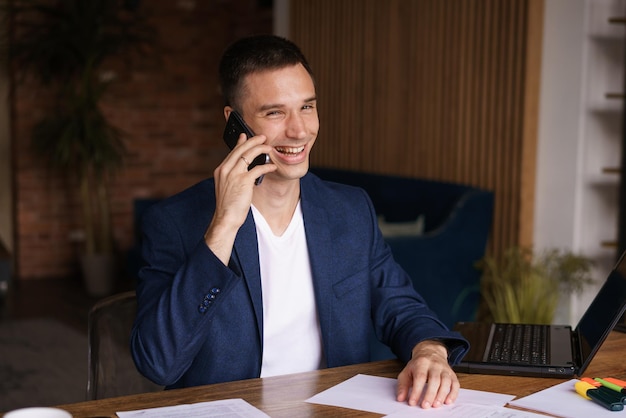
[(63, 43), (523, 287)]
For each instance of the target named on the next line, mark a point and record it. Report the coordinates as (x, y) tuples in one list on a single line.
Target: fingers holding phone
[(235, 172), (235, 126), (249, 154)]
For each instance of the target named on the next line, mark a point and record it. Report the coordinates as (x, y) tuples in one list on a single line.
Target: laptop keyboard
[(520, 344)]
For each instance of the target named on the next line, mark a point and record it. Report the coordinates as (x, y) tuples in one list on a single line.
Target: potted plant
[(524, 287), (63, 44)]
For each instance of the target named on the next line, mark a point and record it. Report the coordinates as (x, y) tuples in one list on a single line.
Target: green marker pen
[(589, 391)]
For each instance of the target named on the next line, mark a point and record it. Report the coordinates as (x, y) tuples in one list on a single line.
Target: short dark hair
[(255, 54)]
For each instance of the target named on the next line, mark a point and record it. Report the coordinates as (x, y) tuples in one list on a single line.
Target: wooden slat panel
[(532, 71), (438, 89)]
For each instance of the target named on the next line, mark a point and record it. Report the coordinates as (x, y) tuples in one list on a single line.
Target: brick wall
[(170, 109)]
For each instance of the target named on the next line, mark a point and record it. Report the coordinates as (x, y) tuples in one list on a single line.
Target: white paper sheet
[(232, 408), (471, 411), (378, 394), (563, 401)]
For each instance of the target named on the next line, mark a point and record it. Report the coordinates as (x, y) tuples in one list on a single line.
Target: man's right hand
[(234, 187)]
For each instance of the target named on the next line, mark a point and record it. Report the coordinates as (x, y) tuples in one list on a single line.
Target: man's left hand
[(428, 364)]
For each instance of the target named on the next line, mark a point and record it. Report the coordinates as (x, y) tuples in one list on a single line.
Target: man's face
[(281, 104)]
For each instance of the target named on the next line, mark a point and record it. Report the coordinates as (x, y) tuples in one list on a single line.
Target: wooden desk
[(283, 396)]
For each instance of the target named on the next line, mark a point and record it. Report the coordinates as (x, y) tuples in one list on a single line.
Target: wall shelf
[(604, 96), (612, 170)]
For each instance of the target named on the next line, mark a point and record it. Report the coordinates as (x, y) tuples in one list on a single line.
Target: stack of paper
[(563, 401), (378, 394), (215, 409)]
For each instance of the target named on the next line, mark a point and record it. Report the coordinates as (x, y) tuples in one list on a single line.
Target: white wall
[(559, 128), (576, 205)]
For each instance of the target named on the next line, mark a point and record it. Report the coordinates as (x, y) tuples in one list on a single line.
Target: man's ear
[(227, 111)]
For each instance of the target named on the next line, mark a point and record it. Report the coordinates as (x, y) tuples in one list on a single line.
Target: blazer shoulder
[(192, 206), (201, 194), (336, 202), (314, 185)]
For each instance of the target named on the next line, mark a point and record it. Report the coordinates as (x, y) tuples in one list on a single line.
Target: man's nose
[(296, 126)]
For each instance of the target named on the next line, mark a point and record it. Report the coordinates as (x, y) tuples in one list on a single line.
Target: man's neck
[(277, 203)]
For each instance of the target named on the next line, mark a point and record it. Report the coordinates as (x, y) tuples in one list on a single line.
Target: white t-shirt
[(291, 331)]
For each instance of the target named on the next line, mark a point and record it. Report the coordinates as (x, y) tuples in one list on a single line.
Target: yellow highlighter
[(593, 393)]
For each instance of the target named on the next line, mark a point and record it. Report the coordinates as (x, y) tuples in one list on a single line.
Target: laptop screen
[(603, 313)]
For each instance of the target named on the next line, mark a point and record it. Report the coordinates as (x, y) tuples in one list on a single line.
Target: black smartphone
[(235, 126)]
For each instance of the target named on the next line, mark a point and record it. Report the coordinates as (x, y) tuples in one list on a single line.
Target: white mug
[(38, 412)]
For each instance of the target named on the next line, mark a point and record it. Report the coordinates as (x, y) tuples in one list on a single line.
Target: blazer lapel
[(246, 256), (318, 227)]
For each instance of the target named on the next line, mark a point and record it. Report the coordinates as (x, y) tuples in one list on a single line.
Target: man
[(243, 280)]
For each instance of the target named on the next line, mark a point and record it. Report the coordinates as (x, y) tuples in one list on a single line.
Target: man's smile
[(290, 150)]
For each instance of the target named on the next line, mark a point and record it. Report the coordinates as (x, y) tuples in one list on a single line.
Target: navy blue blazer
[(200, 322)]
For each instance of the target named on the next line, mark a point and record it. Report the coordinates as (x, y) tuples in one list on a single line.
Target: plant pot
[(99, 274)]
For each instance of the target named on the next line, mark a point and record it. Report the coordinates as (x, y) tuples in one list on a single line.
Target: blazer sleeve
[(359, 283), (401, 316), (179, 284)]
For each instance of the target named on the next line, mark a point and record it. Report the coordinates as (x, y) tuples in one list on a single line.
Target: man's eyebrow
[(280, 105), (270, 106)]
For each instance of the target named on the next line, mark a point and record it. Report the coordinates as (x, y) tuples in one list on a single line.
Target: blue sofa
[(441, 258)]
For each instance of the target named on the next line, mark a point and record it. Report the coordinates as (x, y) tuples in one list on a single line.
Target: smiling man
[(243, 280)]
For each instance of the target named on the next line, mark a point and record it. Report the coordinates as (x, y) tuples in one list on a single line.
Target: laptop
[(551, 350)]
